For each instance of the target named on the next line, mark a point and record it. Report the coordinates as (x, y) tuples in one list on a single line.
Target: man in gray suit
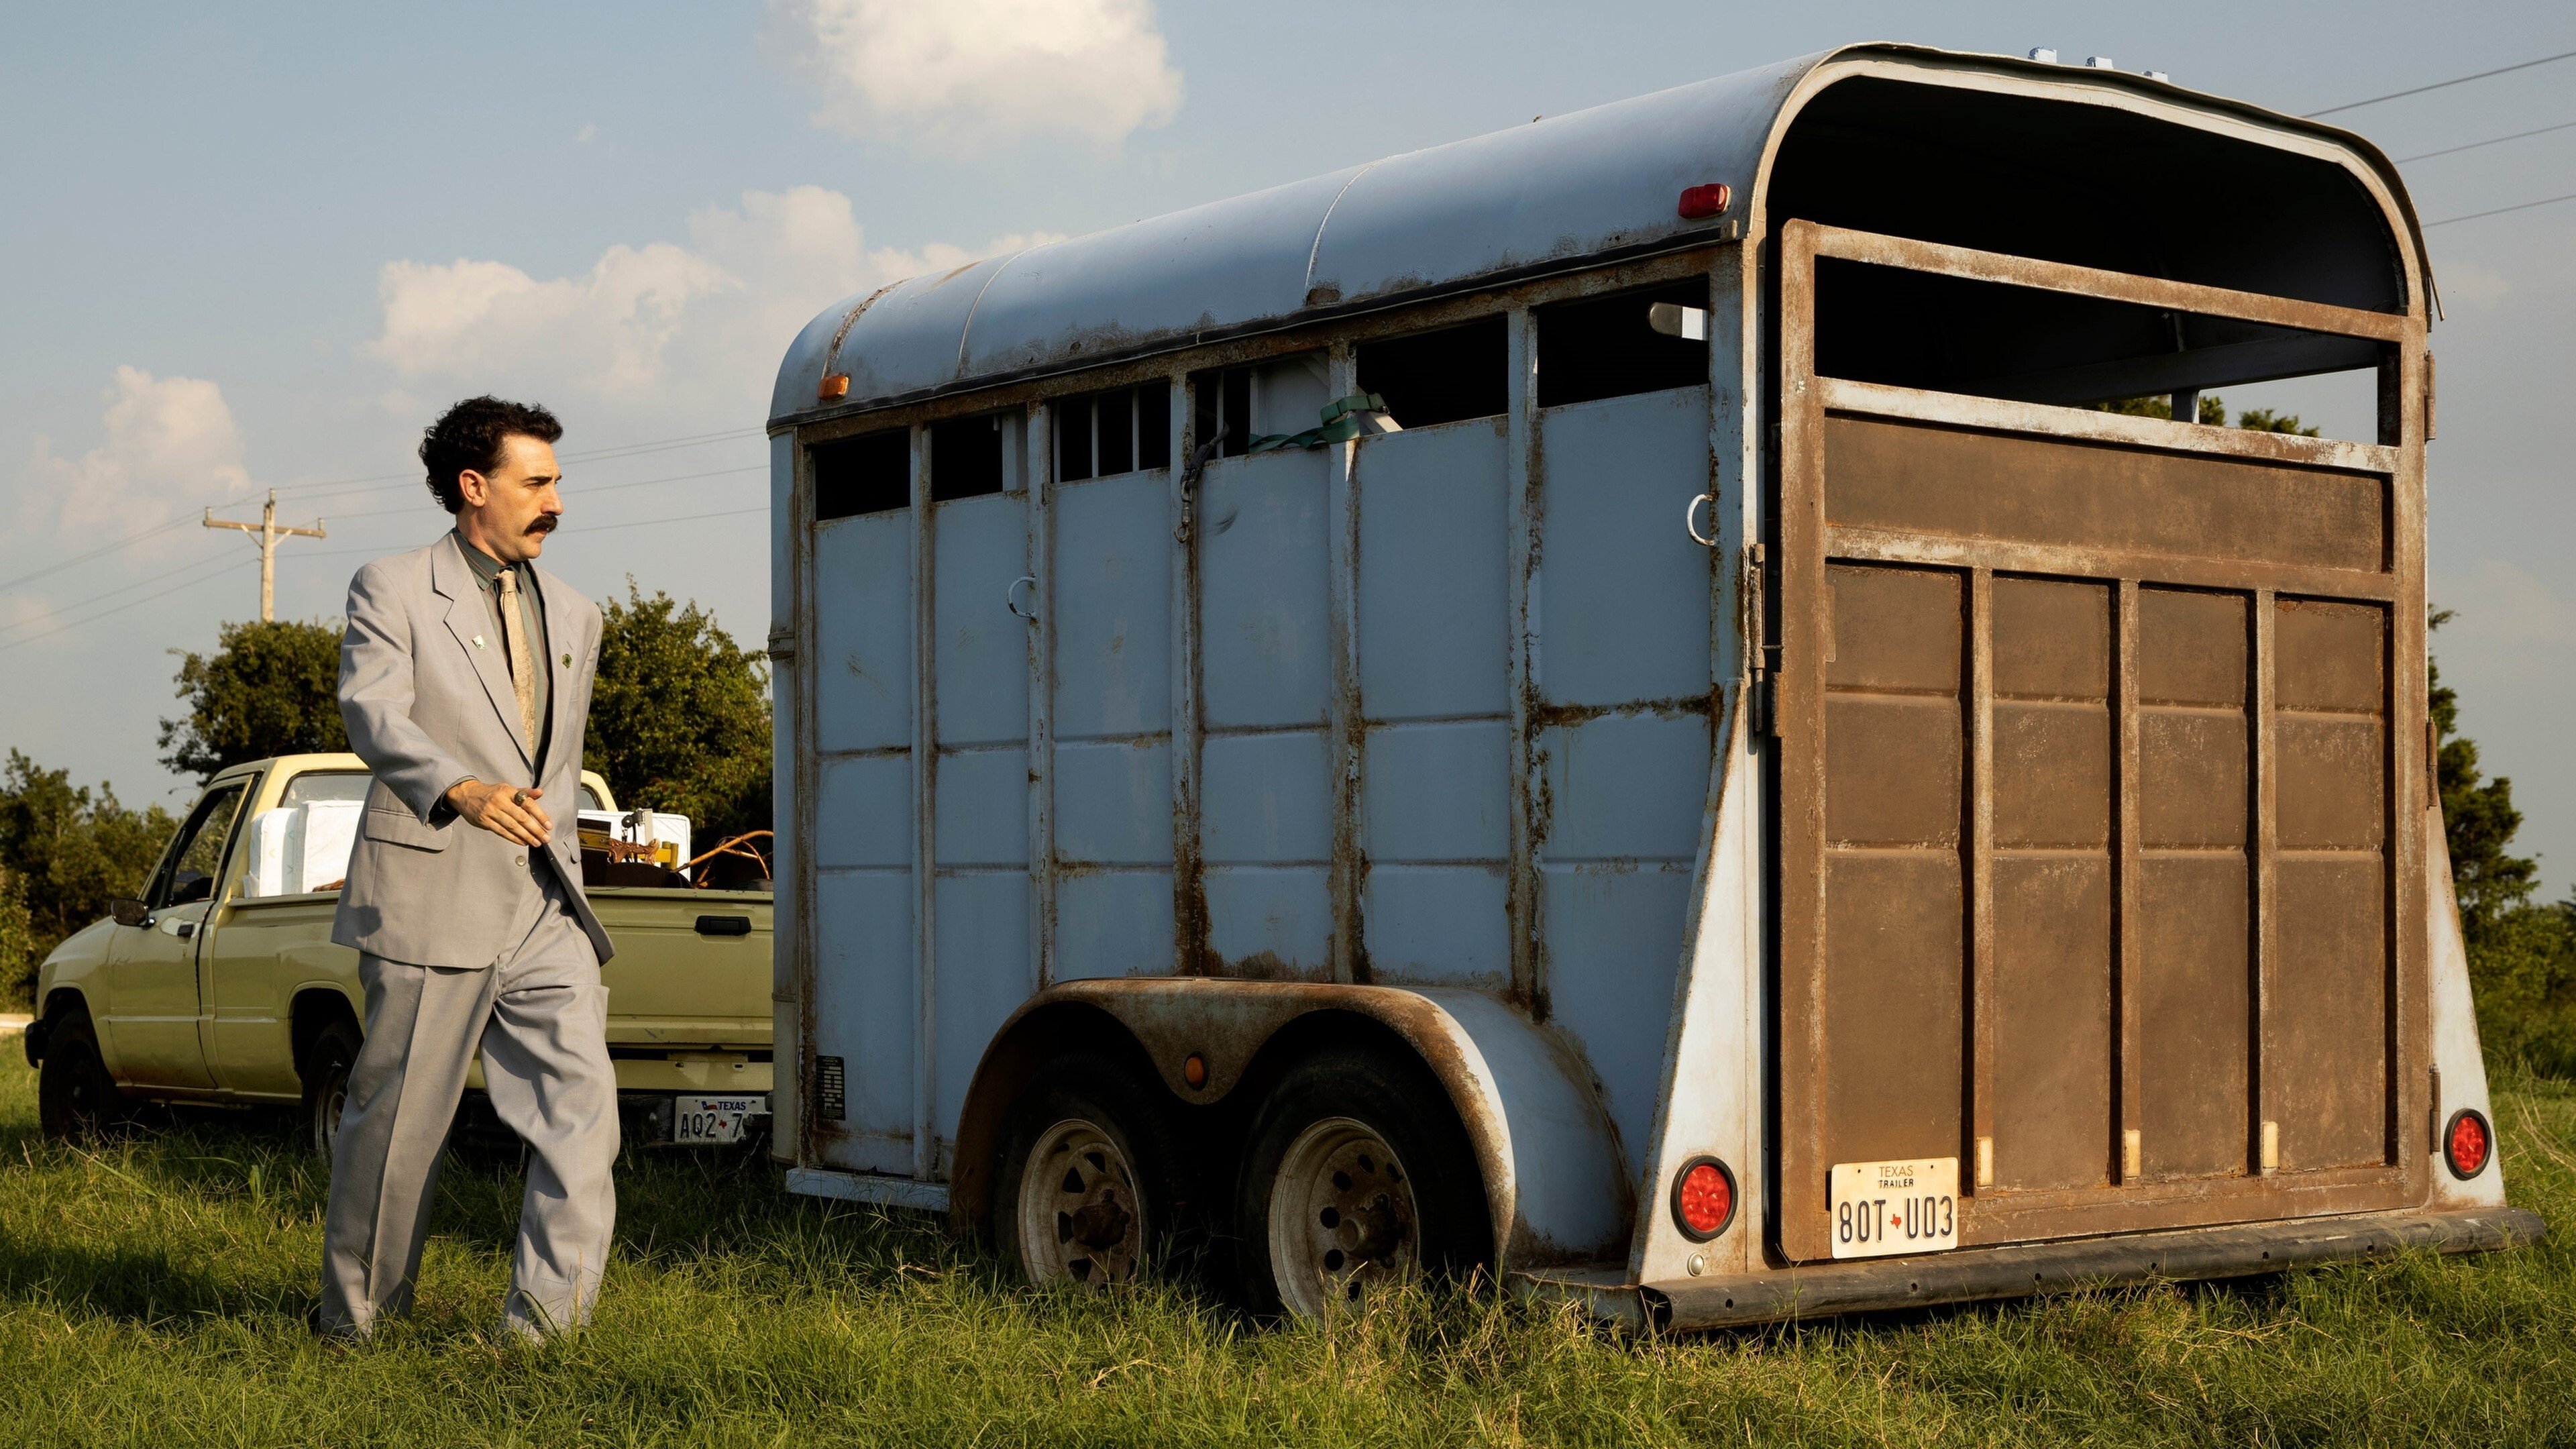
[(465, 680)]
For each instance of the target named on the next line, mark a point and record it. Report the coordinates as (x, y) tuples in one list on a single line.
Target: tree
[(679, 717), (18, 961), (2522, 957), (2478, 818), (2211, 413), (65, 852), (271, 689)]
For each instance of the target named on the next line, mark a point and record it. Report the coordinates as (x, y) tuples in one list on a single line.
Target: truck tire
[(76, 1098), (326, 1084), (1356, 1172), (1087, 1180)]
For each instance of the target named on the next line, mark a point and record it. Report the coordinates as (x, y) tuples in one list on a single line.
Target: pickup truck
[(218, 987)]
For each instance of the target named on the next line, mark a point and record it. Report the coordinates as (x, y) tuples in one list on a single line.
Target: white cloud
[(2502, 609), (963, 73), (169, 445), (2470, 285), (695, 329)]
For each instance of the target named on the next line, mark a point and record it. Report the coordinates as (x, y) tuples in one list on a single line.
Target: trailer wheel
[(326, 1084), (76, 1098), (1357, 1174), (1086, 1185)]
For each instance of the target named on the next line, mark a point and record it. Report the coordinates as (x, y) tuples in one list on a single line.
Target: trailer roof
[(1561, 192)]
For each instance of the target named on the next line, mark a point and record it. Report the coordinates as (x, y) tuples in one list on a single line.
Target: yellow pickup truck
[(222, 984)]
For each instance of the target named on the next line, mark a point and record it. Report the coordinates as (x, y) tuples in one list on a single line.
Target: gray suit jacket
[(426, 706)]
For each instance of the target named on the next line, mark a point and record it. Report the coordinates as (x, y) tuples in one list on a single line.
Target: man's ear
[(474, 488)]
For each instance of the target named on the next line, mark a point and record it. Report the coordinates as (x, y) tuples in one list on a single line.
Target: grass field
[(153, 1291)]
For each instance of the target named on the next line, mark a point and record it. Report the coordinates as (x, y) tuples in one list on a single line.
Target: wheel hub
[(1342, 1217), (1081, 1219)]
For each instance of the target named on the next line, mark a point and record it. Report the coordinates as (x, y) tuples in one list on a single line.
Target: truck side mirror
[(129, 912)]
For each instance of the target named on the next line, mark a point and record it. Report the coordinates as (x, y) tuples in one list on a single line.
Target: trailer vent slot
[(867, 474), (966, 458), (1608, 347), (1441, 377), (1124, 430)]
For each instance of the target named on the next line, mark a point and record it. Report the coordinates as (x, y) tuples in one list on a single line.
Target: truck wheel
[(326, 1084), (76, 1099), (1357, 1173), (1086, 1180)]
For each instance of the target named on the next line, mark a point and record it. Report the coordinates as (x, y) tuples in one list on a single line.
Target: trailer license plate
[(1884, 1208), (715, 1119)]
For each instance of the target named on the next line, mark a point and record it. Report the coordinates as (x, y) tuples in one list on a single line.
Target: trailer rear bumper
[(2016, 1269)]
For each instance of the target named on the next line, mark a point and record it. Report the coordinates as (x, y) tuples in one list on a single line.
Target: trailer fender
[(1543, 1145), (2459, 1065)]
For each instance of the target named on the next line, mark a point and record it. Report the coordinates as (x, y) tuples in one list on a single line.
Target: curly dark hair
[(467, 437)]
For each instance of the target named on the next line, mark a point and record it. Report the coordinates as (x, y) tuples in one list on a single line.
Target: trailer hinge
[(782, 645), (1765, 661)]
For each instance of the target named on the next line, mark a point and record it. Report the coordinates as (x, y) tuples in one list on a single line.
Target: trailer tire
[(327, 1064), (76, 1096), (1356, 1171), (1087, 1181)]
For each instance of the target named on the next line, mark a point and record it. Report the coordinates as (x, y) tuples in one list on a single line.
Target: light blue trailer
[(1325, 716)]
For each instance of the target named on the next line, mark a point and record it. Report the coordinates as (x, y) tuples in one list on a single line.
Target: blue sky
[(261, 248)]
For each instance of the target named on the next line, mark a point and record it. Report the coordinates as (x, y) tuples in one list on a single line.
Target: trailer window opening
[(1445, 376), (1608, 346), (2064, 181), (1238, 404), (966, 458), (871, 473), (312, 785), (1123, 430), (1940, 333)]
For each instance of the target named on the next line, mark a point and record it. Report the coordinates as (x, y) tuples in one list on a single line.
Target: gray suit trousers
[(540, 1018)]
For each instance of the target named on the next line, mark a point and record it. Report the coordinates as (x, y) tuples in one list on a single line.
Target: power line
[(206, 577), (384, 481), (577, 494), (2438, 85), (2490, 141), (221, 564), (2501, 210), (384, 512), (584, 531), (81, 558), (223, 556)]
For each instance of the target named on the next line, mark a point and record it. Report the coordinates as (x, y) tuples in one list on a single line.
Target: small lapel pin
[(478, 641)]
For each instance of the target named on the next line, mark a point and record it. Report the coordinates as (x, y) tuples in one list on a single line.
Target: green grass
[(152, 1291)]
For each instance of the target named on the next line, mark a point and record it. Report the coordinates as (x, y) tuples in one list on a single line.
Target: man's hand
[(508, 811)]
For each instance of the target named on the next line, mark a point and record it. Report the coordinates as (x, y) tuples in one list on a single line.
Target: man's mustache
[(545, 523)]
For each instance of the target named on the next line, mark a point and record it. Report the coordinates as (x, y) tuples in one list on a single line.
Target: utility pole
[(269, 533)]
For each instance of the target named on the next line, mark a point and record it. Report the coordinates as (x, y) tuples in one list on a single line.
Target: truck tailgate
[(691, 969)]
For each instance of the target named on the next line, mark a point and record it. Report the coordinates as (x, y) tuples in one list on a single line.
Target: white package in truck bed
[(300, 848)]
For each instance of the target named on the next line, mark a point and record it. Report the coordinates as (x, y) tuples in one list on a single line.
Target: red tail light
[(1702, 202), (1703, 1199), (2467, 1143)]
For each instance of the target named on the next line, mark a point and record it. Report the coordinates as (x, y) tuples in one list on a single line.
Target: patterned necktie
[(523, 667)]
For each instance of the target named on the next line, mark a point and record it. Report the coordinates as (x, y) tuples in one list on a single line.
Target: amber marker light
[(1703, 1199), (836, 386), (1194, 1071)]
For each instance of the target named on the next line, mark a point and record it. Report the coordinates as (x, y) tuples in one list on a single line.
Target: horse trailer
[(1637, 704)]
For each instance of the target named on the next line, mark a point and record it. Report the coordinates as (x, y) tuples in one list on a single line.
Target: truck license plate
[(715, 1119), (1884, 1208)]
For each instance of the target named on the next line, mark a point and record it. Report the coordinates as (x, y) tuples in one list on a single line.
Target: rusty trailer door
[(2100, 771)]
